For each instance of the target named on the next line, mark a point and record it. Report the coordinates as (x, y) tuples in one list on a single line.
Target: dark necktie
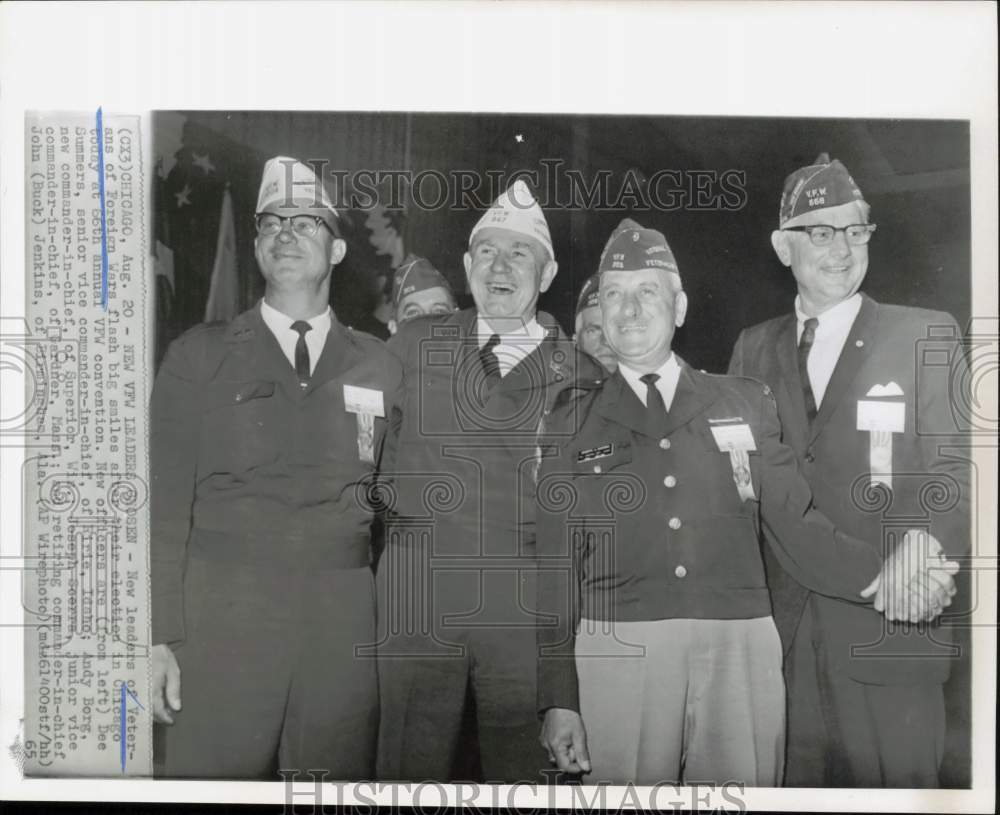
[(302, 351), (491, 365), (805, 345), (656, 410)]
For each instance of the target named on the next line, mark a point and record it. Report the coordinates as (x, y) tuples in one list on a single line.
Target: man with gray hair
[(659, 659), (457, 579)]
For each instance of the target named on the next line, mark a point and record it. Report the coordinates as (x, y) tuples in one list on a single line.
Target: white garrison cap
[(289, 184), (518, 211)]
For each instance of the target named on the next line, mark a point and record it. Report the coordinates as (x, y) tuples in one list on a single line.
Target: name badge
[(885, 417), (881, 420), (363, 400), (367, 404), (731, 437)]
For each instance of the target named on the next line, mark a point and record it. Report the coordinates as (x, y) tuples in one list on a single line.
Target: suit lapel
[(691, 399), (555, 368), (340, 353), (856, 348), (257, 353)]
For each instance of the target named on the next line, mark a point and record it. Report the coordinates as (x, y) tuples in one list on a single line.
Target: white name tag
[(733, 437), (886, 417), (363, 400)]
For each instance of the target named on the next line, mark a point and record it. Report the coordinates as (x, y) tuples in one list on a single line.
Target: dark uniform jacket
[(921, 352), (246, 464), (640, 523), (463, 462)]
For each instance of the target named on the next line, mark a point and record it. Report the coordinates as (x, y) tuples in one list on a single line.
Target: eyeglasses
[(823, 234), (305, 226)]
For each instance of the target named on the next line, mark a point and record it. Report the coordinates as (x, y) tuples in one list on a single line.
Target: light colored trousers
[(682, 701)]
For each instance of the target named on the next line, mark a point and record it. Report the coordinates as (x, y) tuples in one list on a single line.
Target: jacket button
[(810, 458), (597, 468), (670, 481), (664, 444), (680, 571), (674, 523)]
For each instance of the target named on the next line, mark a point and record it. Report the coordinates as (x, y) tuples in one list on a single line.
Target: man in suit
[(588, 332), (658, 651), (864, 402), (265, 435), (456, 583)]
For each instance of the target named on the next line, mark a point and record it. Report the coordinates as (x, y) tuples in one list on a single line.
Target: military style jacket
[(247, 464), (903, 367), (662, 521)]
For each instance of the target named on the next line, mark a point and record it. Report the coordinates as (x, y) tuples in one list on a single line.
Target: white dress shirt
[(831, 334), (281, 326), (669, 371), (515, 343)]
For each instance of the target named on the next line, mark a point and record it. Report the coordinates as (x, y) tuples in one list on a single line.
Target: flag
[(223, 292)]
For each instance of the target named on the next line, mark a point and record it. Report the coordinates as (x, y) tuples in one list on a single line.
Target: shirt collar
[(837, 316), (669, 371), (279, 322), (530, 330)]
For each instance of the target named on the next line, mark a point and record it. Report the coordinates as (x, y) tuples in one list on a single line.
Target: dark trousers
[(269, 675), (427, 661), (845, 733)]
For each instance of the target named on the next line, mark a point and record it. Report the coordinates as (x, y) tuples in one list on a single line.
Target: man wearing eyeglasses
[(863, 396), (265, 436)]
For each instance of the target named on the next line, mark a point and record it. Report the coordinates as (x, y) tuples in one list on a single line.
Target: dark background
[(915, 174)]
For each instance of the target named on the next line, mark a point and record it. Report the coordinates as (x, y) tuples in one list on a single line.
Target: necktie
[(655, 408), (490, 363), (805, 345), (302, 351)]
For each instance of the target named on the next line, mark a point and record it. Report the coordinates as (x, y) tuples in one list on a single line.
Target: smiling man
[(457, 579), (264, 432), (864, 393), (659, 659)]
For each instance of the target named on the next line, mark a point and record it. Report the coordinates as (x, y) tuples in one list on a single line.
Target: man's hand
[(565, 740), (166, 683), (916, 582)]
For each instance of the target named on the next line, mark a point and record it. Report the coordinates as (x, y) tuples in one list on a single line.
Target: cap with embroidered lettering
[(416, 274), (632, 247), (821, 185), (517, 211)]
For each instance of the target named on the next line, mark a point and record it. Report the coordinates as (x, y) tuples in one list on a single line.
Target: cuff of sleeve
[(557, 684), (167, 619)]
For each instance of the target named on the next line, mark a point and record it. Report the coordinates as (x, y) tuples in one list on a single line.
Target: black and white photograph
[(389, 452)]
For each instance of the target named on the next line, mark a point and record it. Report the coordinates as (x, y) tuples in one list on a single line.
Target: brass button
[(670, 481), (680, 571), (664, 444), (597, 468), (674, 523)]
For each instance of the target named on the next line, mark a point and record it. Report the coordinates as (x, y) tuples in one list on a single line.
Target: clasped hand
[(916, 582)]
